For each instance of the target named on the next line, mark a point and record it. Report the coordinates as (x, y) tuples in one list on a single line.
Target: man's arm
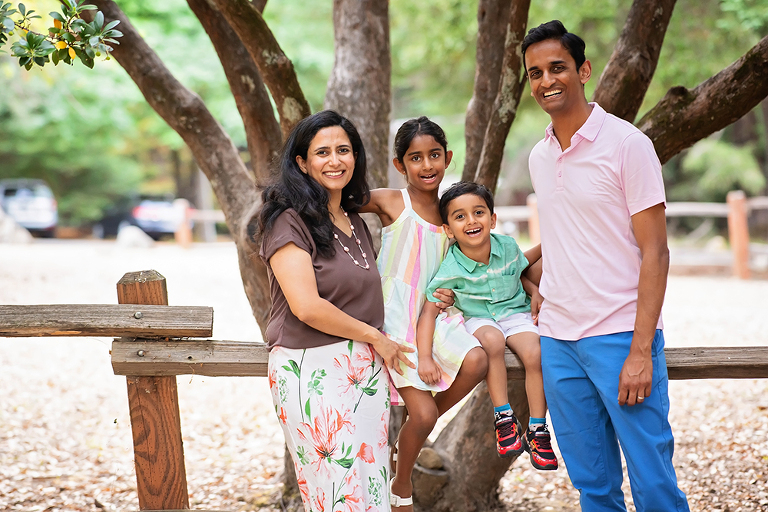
[(650, 229)]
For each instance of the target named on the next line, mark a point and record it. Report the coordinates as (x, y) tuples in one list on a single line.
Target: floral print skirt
[(333, 405)]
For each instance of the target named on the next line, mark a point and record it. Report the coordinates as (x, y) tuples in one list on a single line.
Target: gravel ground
[(65, 440)]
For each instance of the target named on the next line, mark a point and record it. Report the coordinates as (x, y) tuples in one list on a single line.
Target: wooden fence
[(155, 342), (736, 209)]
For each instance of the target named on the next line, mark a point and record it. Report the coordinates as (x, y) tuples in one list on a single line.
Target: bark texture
[(629, 71), (492, 18), (262, 130), (275, 67), (469, 479), (359, 86), (685, 116), (212, 148), (508, 98)]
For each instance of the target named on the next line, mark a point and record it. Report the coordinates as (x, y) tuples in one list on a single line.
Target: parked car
[(155, 215), (31, 204)]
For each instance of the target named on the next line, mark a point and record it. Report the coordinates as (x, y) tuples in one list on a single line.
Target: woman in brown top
[(327, 355)]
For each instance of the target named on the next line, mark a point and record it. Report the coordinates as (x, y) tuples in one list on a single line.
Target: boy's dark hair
[(412, 128), (463, 188), (555, 30)]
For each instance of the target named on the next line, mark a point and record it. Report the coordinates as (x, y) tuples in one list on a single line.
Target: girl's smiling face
[(424, 163)]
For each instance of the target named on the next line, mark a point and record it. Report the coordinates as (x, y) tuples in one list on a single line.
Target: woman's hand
[(429, 371), (393, 353), (445, 296)]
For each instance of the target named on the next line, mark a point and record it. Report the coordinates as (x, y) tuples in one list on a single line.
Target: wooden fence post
[(161, 479), (738, 232), (533, 221)]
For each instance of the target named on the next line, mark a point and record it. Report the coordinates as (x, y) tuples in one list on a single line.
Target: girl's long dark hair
[(297, 190)]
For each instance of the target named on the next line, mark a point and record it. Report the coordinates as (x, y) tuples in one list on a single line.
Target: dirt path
[(65, 441)]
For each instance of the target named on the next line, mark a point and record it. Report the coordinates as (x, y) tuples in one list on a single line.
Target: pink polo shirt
[(586, 196)]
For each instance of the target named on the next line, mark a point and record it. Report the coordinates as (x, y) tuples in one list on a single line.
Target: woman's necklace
[(346, 249)]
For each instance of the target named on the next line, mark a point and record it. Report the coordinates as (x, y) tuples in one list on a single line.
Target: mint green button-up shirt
[(485, 291)]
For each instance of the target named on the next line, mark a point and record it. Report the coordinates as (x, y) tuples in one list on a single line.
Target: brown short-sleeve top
[(354, 290)]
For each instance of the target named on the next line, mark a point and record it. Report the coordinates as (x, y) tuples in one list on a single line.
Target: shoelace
[(543, 442), (505, 427)]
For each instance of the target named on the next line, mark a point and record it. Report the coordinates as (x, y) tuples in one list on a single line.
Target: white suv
[(31, 204)]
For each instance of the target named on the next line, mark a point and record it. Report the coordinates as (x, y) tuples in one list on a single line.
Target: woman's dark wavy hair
[(556, 30), (297, 190), (412, 128)]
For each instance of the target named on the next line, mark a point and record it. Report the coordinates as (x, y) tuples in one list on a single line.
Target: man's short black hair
[(463, 188), (556, 30)]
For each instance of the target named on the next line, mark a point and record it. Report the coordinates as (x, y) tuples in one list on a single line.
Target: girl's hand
[(393, 353), (429, 371), (445, 296), (536, 301)]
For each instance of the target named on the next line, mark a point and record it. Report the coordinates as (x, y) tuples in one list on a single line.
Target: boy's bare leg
[(472, 371), (526, 346), (422, 416), (492, 341)]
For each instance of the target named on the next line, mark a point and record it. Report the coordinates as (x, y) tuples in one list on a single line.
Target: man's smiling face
[(556, 83)]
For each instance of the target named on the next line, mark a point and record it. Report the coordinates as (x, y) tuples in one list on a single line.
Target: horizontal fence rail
[(109, 320), (215, 358)]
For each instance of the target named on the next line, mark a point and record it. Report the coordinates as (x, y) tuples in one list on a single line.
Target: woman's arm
[(292, 267), (429, 371)]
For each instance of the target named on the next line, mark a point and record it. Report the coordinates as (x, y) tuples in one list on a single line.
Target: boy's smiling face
[(470, 222)]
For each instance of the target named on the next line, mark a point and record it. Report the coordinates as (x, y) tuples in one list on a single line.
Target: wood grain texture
[(215, 358), (110, 320), (161, 479)]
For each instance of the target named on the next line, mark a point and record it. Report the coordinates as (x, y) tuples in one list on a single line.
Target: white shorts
[(513, 324)]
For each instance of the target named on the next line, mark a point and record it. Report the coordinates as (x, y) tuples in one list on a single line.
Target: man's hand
[(445, 296), (429, 371), (635, 379)]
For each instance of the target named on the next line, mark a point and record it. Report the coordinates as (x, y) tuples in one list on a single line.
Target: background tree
[(265, 86)]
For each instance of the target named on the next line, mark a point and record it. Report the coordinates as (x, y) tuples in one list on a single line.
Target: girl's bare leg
[(422, 416), (472, 371)]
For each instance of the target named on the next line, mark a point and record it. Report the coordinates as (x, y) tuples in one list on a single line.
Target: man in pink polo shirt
[(605, 260)]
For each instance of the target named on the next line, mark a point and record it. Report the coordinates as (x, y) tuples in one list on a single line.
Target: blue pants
[(581, 382)]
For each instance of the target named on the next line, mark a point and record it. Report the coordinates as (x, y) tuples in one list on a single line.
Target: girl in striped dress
[(412, 247)]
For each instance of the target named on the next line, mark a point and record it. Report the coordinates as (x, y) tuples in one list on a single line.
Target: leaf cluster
[(70, 38)]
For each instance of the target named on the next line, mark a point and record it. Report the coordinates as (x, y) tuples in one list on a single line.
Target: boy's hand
[(429, 371), (445, 296), (536, 301)]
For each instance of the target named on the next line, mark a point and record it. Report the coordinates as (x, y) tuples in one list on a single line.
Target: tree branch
[(276, 69), (261, 128), (685, 116), (508, 98), (629, 71), (212, 148), (359, 85), (492, 17)]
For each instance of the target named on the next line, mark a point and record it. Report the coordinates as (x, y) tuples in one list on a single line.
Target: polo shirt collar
[(589, 129), (469, 264)]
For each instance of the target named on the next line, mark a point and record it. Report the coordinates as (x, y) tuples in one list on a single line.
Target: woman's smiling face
[(330, 159)]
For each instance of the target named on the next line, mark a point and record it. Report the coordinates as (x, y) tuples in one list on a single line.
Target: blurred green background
[(93, 138)]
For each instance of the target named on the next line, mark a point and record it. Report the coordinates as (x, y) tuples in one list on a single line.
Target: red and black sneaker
[(509, 441), (539, 444)]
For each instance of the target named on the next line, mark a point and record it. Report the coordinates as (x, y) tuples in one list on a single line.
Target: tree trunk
[(492, 18), (507, 99), (262, 130), (629, 71), (685, 116), (359, 86), (469, 479)]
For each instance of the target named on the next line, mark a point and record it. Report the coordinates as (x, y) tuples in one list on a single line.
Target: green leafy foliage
[(69, 38)]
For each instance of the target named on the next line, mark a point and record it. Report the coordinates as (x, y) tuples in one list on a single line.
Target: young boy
[(485, 272)]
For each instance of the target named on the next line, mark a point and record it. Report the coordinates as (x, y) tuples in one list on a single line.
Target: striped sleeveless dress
[(411, 252)]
